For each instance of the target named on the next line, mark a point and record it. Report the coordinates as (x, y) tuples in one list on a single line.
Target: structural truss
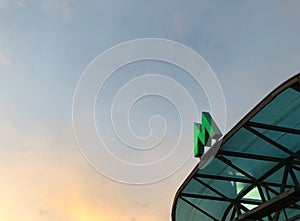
[(255, 174)]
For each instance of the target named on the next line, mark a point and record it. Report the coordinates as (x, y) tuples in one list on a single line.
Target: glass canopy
[(255, 173)]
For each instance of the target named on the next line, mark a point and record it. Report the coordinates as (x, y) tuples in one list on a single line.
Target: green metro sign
[(203, 134)]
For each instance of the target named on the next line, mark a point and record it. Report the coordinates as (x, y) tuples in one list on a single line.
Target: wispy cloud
[(21, 4), (4, 61), (3, 3), (11, 3), (62, 6)]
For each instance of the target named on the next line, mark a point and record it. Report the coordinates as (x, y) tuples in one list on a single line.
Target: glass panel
[(253, 194), (230, 189), (249, 206), (195, 187), (186, 212), (289, 141), (282, 111), (213, 207), (255, 168), (246, 142), (217, 167), (292, 212)]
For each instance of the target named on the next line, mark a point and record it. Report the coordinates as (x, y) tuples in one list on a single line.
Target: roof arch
[(255, 174)]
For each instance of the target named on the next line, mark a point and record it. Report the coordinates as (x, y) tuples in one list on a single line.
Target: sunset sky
[(45, 46)]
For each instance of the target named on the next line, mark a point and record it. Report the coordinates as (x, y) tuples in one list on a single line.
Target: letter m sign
[(203, 134)]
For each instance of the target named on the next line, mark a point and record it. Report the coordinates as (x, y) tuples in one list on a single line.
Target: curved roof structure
[(255, 174)]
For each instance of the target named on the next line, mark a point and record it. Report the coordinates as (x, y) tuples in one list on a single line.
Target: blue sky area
[(252, 47)]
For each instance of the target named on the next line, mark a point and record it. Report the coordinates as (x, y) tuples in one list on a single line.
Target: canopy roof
[(256, 172)]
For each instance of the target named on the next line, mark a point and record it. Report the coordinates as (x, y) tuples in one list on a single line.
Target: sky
[(74, 149)]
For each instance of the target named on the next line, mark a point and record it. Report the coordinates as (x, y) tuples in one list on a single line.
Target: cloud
[(3, 3), (9, 3), (61, 6), (21, 4), (4, 61)]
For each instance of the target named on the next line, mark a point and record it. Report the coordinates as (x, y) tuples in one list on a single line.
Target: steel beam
[(278, 203), (273, 127)]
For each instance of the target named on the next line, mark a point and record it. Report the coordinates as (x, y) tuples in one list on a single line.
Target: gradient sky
[(45, 45)]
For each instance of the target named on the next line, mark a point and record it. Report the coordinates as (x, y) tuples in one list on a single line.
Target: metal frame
[(266, 207)]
